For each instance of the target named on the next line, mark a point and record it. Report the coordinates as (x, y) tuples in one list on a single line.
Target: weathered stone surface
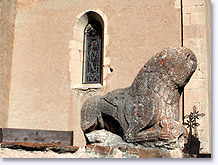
[(145, 153), (96, 151), (148, 110), (105, 138)]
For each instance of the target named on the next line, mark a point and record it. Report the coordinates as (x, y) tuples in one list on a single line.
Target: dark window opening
[(92, 64)]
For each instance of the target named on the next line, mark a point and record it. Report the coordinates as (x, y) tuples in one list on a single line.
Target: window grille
[(92, 67)]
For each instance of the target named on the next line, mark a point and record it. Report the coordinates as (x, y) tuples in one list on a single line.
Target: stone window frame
[(77, 49)]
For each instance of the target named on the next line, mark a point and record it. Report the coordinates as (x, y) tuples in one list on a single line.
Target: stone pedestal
[(95, 151), (105, 144)]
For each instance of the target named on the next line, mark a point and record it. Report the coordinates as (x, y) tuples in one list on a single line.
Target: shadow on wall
[(193, 146)]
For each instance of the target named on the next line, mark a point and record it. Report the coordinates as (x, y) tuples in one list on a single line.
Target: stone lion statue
[(147, 110)]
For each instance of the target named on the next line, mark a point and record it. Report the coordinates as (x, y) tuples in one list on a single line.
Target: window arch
[(92, 54), (85, 24)]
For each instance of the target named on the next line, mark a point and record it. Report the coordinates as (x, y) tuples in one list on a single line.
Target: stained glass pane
[(93, 59)]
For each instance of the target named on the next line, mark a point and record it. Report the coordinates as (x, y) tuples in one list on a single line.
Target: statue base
[(105, 144), (96, 151)]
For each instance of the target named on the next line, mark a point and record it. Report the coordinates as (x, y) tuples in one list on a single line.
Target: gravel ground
[(10, 153)]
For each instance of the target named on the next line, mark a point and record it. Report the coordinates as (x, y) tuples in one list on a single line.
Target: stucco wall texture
[(7, 19)]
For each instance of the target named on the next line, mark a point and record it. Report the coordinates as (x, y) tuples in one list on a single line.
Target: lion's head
[(178, 63)]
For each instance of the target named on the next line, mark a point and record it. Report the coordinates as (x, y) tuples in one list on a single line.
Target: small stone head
[(179, 63)]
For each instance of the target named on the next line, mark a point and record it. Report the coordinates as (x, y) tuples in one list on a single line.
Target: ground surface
[(10, 153)]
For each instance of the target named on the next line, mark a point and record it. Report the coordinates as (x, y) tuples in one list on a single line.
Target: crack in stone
[(110, 103)]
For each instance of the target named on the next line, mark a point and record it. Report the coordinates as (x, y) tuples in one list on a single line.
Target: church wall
[(42, 94)]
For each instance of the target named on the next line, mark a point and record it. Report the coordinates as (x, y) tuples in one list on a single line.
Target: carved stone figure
[(148, 110)]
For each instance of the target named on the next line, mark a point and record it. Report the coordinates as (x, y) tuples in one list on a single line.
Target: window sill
[(87, 86)]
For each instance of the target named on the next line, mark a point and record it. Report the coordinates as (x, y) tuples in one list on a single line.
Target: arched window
[(88, 48), (92, 55)]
